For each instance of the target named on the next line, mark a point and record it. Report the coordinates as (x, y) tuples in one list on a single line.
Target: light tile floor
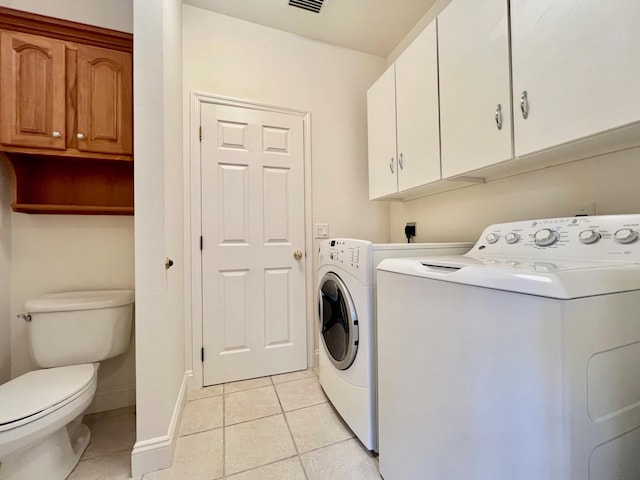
[(272, 428)]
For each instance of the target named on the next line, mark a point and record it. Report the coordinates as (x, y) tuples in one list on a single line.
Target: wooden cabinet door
[(104, 101), (579, 63), (381, 122), (475, 93), (32, 97), (417, 112)]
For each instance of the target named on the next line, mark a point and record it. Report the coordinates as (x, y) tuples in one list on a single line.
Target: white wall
[(611, 181), (159, 220), (61, 252), (231, 57), (113, 14), (427, 18), (5, 272)]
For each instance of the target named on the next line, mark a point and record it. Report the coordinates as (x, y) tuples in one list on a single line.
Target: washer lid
[(39, 390), (562, 279), (83, 300)]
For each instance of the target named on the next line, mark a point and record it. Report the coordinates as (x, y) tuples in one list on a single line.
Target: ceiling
[(371, 26)]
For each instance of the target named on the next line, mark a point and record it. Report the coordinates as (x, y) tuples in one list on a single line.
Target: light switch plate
[(322, 230)]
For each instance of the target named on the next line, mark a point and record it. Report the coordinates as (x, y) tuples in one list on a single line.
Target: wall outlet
[(322, 230), (410, 230), (585, 209)]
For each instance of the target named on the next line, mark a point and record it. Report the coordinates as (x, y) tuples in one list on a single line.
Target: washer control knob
[(492, 238), (545, 237), (625, 235), (589, 236), (512, 238)]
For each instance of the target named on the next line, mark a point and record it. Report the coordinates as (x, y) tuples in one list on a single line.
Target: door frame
[(194, 337)]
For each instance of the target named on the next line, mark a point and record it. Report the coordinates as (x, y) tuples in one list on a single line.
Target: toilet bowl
[(41, 430)]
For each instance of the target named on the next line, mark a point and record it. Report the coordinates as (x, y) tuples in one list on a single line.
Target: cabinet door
[(417, 112), (104, 101), (381, 120), (32, 97), (578, 62), (475, 94)]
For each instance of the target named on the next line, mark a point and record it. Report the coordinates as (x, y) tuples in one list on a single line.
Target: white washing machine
[(518, 360), (347, 353)]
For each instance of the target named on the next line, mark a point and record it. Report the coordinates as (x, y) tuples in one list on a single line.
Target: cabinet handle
[(524, 105), (400, 162), (80, 136), (56, 134), (499, 116), (391, 164)]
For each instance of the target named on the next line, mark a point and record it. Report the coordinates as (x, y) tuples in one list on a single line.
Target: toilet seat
[(38, 393)]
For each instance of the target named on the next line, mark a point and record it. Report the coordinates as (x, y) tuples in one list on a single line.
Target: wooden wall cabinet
[(104, 83), (32, 93), (66, 115)]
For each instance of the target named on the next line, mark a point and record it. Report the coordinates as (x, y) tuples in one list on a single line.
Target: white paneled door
[(253, 267)]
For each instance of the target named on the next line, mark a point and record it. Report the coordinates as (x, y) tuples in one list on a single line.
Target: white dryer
[(347, 331), (518, 360)]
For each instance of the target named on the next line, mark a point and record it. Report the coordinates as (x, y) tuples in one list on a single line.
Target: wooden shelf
[(70, 209), (55, 185)]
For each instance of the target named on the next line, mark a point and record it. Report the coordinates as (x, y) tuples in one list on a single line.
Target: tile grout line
[(270, 377), (257, 418), (329, 445), (282, 412), (293, 440), (259, 467)]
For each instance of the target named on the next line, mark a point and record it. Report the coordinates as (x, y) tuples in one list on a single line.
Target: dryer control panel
[(349, 254), (600, 237)]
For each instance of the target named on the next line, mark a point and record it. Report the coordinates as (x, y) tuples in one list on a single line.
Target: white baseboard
[(111, 398), (191, 381), (157, 453)]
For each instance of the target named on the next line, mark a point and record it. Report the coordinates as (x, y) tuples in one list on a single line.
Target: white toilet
[(41, 430)]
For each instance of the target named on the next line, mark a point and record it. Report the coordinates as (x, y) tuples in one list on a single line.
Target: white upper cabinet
[(523, 85), (381, 120), (417, 112), (579, 63), (475, 94), (405, 100)]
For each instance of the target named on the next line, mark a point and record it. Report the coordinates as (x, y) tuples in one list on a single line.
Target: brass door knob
[(168, 263), (297, 254)]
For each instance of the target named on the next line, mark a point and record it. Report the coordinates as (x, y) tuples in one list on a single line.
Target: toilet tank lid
[(39, 390), (82, 300)]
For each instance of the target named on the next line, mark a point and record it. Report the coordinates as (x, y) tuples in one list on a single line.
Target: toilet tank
[(71, 328)]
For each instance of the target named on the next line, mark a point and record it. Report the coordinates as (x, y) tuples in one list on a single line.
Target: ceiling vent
[(308, 5)]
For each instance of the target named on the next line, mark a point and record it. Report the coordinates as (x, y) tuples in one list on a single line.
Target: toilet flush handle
[(24, 316)]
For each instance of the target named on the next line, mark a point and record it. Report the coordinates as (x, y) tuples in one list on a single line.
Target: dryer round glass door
[(338, 321)]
